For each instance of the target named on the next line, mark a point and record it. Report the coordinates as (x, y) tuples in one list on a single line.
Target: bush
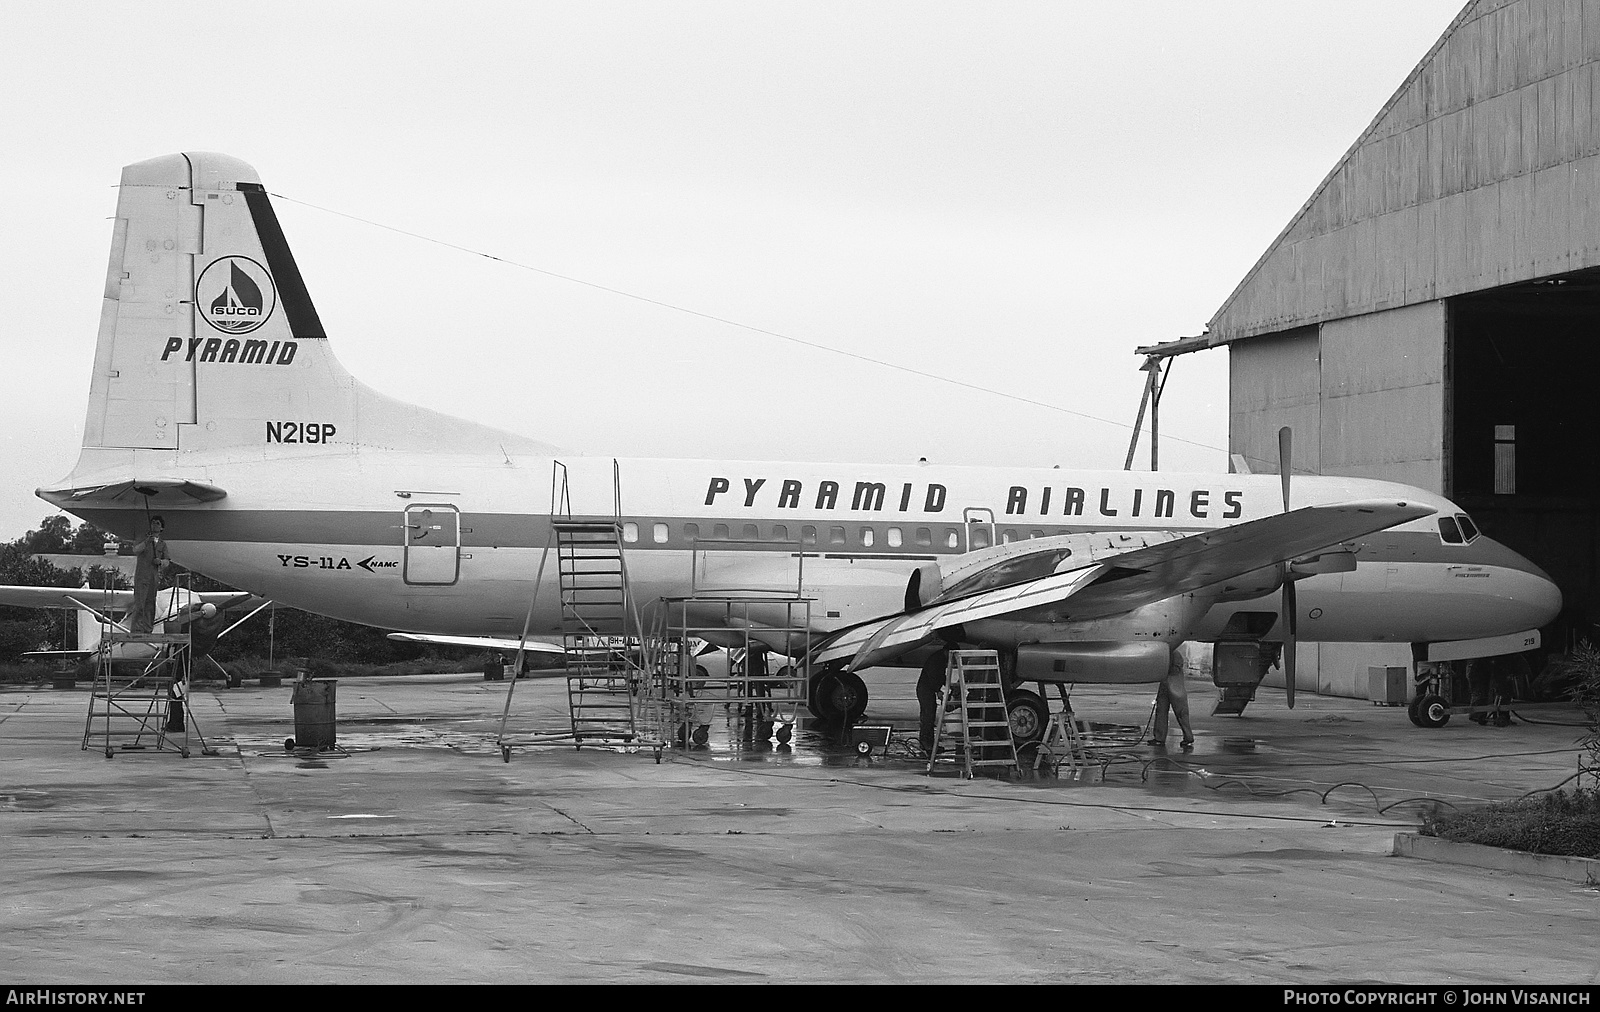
[(1559, 823), (1585, 663)]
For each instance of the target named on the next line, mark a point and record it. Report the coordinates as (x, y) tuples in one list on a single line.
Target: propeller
[(1285, 446)]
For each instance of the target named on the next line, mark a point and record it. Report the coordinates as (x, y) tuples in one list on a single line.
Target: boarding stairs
[(600, 628), (973, 731), (602, 674)]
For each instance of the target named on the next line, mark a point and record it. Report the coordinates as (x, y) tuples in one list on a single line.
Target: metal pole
[(1150, 363), (1155, 409)]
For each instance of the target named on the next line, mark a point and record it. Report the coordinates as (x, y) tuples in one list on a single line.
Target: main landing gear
[(839, 696)]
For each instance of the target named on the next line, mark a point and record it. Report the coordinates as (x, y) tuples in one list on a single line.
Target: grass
[(1561, 823)]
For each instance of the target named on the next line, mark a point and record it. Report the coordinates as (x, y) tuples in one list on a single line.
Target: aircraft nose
[(1528, 588)]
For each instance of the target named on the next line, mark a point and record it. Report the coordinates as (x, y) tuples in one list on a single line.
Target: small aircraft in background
[(99, 611)]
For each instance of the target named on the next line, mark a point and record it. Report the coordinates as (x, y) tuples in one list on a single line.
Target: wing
[(226, 600), (482, 642), (1118, 581), (885, 639), (1185, 565), (66, 597)]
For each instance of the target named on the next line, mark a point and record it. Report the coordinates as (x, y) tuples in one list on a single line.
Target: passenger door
[(433, 544)]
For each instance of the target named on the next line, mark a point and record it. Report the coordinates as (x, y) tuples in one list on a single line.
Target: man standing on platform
[(151, 560)]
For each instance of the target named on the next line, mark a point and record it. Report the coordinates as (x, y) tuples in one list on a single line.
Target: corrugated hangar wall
[(1454, 243), (1482, 170), (1364, 397)]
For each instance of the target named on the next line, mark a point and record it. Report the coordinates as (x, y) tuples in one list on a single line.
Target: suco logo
[(235, 295)]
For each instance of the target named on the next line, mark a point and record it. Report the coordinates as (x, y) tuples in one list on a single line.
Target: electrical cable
[(930, 789), (733, 323)]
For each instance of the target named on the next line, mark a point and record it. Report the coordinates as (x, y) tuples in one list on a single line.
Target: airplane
[(216, 400), (99, 610)]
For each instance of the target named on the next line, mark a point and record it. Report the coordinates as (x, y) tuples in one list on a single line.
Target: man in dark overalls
[(150, 556)]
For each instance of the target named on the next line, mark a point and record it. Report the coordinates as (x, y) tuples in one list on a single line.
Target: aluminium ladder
[(974, 728)]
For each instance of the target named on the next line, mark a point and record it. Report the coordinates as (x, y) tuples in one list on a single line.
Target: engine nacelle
[(1106, 662)]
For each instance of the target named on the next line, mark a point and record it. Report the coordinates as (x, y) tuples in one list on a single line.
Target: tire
[(1412, 709), (1029, 715), (838, 695), (1432, 711)]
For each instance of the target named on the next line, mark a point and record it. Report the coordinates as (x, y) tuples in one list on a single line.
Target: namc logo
[(235, 295)]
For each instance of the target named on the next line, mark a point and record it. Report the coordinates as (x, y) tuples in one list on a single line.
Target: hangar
[(1428, 315)]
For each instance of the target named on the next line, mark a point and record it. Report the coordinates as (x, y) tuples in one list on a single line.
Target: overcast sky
[(1015, 195)]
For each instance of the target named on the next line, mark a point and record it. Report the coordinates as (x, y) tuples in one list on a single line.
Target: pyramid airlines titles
[(1021, 500)]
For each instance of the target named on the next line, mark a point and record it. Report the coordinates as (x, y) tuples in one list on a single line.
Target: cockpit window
[(1449, 531), (1469, 530)]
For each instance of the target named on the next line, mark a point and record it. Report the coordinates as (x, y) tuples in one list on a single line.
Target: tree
[(24, 629)]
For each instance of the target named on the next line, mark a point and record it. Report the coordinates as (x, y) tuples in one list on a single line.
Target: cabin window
[(952, 538), (980, 538), (1007, 536), (691, 531), (1449, 531), (835, 535), (866, 537), (751, 533), (894, 537), (630, 532), (924, 537), (808, 535), (1036, 534), (720, 532), (780, 532), (659, 533)]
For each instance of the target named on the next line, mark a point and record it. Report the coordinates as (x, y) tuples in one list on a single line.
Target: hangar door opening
[(1524, 363)]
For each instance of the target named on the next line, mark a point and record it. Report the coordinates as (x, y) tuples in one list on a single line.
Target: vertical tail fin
[(201, 293), (209, 340)]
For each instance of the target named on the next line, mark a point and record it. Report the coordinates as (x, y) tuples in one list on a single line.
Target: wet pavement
[(414, 853)]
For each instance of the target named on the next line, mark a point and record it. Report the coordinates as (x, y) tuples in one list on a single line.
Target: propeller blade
[(1285, 455), (1289, 624)]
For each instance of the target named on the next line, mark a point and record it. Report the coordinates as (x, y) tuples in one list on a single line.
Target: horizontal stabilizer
[(136, 492)]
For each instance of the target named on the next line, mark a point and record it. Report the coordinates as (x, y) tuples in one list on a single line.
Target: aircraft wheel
[(1432, 711), (839, 695), (702, 734), (505, 753), (1413, 712), (785, 732), (1029, 716)]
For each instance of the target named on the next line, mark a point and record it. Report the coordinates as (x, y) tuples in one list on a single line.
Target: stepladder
[(973, 731), (1062, 745)]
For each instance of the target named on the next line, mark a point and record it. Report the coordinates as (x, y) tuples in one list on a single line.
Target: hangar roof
[(1481, 171)]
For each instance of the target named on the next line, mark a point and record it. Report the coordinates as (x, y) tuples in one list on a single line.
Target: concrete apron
[(1263, 856)]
